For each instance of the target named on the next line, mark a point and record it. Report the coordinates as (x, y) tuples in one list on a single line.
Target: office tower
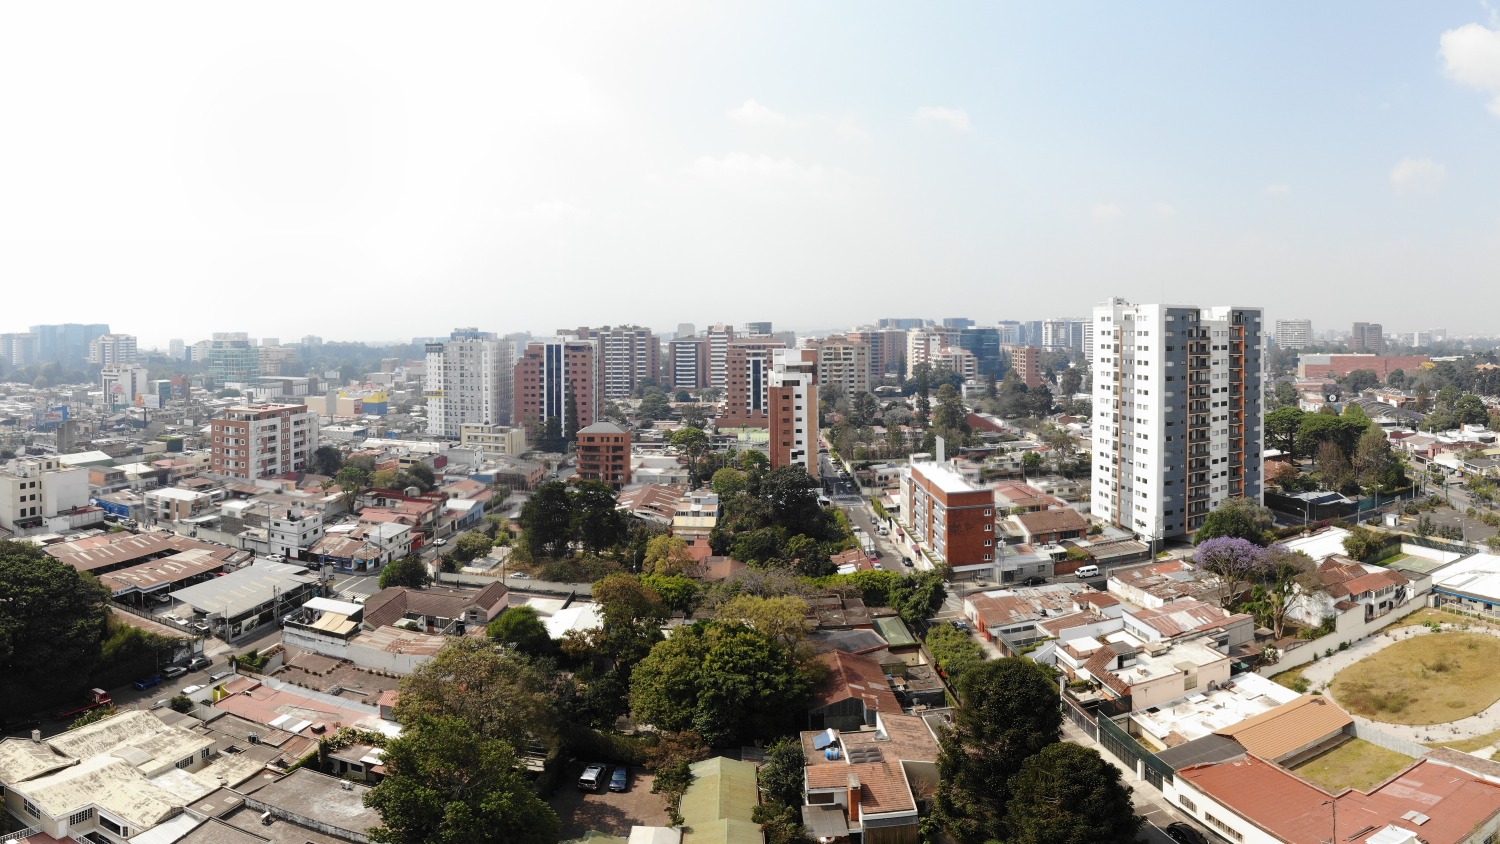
[(1367, 337), (958, 322), (276, 360), (311, 341), (556, 378), (467, 380), (1177, 414), (1294, 333), (113, 350), (67, 343), (901, 323), (1010, 332), (632, 355), (923, 344), (984, 345), (887, 349), (1031, 333), (718, 348), (176, 349), (18, 350), (747, 397), (1026, 362), (687, 364), (794, 409), (232, 358), (1063, 334), (843, 363), (119, 384), (758, 328), (263, 440)]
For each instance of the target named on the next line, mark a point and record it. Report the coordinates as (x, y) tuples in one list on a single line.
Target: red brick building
[(604, 454), (794, 409), (951, 518), (263, 440), (1329, 366), (747, 383), (544, 376), (1027, 362)]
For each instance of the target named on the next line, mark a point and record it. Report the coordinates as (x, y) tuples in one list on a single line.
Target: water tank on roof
[(832, 753)]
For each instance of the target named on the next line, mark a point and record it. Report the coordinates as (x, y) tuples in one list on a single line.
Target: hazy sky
[(372, 171)]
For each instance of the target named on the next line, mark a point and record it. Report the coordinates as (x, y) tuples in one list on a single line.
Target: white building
[(1294, 333), (493, 439), (114, 350), (119, 385), (794, 409), (468, 379), (36, 489), (1177, 414)]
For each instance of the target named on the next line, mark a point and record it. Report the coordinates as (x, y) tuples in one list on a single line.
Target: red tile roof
[(855, 676)]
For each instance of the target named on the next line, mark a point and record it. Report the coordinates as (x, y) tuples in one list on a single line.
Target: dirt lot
[(604, 810)]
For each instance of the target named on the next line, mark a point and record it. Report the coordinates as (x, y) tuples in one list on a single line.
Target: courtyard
[(1423, 680)]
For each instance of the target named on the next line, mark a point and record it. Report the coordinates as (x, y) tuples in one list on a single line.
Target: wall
[(1175, 790), (1382, 739), (1351, 627)]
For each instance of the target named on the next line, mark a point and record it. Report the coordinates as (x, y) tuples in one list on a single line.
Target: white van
[(1085, 572)]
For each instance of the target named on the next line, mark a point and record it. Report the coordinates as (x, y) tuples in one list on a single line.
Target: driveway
[(606, 811)]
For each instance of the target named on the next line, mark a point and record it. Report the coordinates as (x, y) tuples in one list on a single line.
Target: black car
[(1185, 834)]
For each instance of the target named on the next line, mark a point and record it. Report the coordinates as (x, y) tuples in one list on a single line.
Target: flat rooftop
[(242, 590), (1476, 574), (1204, 712)]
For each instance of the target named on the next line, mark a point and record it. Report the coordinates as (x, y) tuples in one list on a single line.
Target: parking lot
[(606, 811)]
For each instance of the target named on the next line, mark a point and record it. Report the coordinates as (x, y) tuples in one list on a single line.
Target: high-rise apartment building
[(958, 323), (263, 440), (1177, 414), (631, 354), (468, 381), (68, 343), (1367, 337), (842, 362), (113, 350), (1026, 362), (718, 337), (120, 384), (794, 409), (923, 343), (1294, 333), (556, 378), (688, 363), (232, 358), (1065, 334), (887, 349), (18, 350), (747, 385), (901, 323), (176, 349)]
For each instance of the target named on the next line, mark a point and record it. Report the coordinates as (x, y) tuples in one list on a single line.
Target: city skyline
[(537, 167)]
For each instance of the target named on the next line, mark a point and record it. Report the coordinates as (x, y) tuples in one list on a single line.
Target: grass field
[(1354, 764), (1293, 679), (1430, 679)]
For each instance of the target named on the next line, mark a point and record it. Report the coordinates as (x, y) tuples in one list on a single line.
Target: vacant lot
[(606, 811), (1354, 764), (1429, 679)]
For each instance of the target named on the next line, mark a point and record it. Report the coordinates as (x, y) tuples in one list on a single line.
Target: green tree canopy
[(522, 627), (52, 624), (1360, 380), (352, 480), (497, 693), (596, 522), (1239, 517), (1282, 427), (1318, 428), (407, 571), (1068, 794), (729, 482), (471, 546), (445, 785), (1007, 712), (547, 521), (728, 683), (326, 460)]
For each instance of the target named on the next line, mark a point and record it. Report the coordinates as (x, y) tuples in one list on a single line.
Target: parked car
[(592, 776), (275, 558), (620, 780), (146, 682), (440, 542), (1181, 832), (521, 575), (960, 625), (198, 663), (906, 561), (194, 688), (1035, 580), (202, 628), (217, 676), (172, 672)]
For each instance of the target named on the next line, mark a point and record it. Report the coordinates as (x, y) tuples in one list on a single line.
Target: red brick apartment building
[(546, 371), (604, 454), (949, 516), (794, 409), (747, 383), (1027, 362), (263, 440)]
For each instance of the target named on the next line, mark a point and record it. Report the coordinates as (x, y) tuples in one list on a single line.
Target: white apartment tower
[(1177, 414), (793, 415), (468, 380), (718, 354), (113, 350), (1294, 333)]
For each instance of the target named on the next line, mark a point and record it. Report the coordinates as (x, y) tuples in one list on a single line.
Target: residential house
[(436, 609), (1136, 675), (1348, 584), (1047, 527), (865, 782), (855, 692)]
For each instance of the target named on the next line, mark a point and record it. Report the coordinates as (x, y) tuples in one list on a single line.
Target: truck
[(96, 699)]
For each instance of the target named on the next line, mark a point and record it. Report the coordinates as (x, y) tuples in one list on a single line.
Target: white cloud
[(1472, 56), (849, 129), (955, 118), (752, 113), (1165, 209), (555, 211), (1106, 211), (1417, 175), (1277, 190), (763, 175)]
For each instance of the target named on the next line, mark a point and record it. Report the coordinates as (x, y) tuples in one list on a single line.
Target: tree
[(471, 546), (408, 571), (1360, 380), (52, 624), (916, 597), (1068, 794), (690, 440), (865, 410), (793, 497), (677, 592), (951, 415), (551, 438), (547, 521), (1039, 401), (1237, 562), (729, 482), (596, 522), (782, 771), (326, 460), (446, 785), (1376, 466), (1362, 543), (385, 479), (653, 407), (1289, 575), (1239, 517), (1007, 712), (1282, 427), (667, 554), (420, 476), (1333, 467), (1397, 379), (728, 683), (1470, 410), (1356, 414), (1423, 395), (693, 416), (1318, 428), (497, 693), (1069, 381), (1283, 395), (352, 480), (522, 627), (781, 619), (1031, 463)]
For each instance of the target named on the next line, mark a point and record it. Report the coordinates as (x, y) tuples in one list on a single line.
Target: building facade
[(35, 489), (887, 349), (1367, 337), (1026, 362), (263, 440), (688, 364), (951, 519), (468, 381), (119, 384), (794, 408), (1177, 414), (67, 343), (747, 385), (113, 350), (232, 359), (631, 355), (1294, 333), (844, 363), (557, 378), (604, 454)]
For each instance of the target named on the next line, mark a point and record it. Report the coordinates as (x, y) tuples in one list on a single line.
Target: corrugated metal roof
[(1290, 727)]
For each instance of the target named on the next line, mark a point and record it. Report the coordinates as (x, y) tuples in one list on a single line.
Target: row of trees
[(772, 519), (1350, 453)]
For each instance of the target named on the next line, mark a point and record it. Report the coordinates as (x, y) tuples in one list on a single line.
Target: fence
[(1350, 628), (1389, 742), (1148, 766), (1081, 718)]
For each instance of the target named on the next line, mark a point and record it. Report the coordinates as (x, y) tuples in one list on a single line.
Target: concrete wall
[(1383, 739), (1351, 627), (362, 655)]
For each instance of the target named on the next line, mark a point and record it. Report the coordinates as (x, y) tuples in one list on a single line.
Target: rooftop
[(1204, 712), (1321, 545), (242, 590), (852, 676), (1476, 574)]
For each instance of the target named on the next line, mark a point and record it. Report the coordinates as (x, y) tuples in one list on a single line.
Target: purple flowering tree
[(1237, 563)]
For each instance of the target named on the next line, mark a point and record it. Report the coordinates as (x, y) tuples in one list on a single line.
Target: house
[(1011, 616), (1188, 619), (1156, 584), (1293, 732), (718, 807), (655, 503), (865, 782), (1138, 675), (436, 609), (855, 692), (1348, 584), (1047, 527)]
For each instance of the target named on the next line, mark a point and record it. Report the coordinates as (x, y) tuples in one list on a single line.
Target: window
[(1187, 803), (30, 808), (1222, 828), (185, 763), (80, 817)]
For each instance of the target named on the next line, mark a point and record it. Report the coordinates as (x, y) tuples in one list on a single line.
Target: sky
[(374, 171)]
